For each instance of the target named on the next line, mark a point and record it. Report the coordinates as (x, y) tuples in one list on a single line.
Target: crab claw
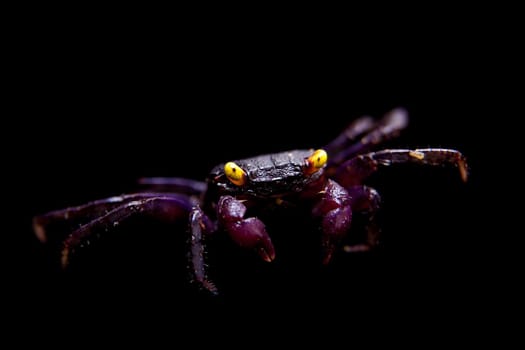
[(335, 225), (248, 233), (336, 213), (251, 233)]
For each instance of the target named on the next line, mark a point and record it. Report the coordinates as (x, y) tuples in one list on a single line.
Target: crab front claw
[(334, 209), (251, 233), (248, 233)]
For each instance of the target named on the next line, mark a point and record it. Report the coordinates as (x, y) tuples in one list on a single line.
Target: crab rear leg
[(45, 226), (355, 129), (169, 209), (385, 129), (246, 232), (356, 170)]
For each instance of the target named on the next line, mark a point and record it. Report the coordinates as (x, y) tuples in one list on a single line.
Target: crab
[(329, 182)]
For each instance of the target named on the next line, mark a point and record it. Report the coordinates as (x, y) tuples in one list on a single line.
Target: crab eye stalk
[(316, 161), (235, 174)]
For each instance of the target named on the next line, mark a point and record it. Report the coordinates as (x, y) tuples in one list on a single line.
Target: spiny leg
[(249, 232), (334, 208), (168, 209), (71, 218), (387, 128), (356, 170), (200, 224), (365, 200)]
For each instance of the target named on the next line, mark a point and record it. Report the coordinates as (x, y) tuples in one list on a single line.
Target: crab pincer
[(246, 232)]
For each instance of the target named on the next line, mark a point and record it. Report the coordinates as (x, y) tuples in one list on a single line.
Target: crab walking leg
[(73, 217), (356, 170), (336, 213), (387, 128), (365, 200), (199, 225), (174, 184), (246, 232), (352, 131), (169, 209)]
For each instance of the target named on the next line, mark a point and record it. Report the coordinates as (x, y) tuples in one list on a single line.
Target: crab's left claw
[(336, 213), (249, 233)]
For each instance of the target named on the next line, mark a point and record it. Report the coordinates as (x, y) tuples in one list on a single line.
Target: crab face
[(270, 175)]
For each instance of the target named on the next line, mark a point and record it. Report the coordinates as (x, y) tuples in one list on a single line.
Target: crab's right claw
[(256, 236), (248, 233), (251, 233)]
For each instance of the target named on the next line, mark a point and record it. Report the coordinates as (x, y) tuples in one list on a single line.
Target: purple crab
[(329, 181)]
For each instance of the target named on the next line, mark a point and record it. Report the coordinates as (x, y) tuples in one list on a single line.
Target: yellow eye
[(235, 174), (316, 161)]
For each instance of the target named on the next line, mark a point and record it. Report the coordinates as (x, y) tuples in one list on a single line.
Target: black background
[(98, 111)]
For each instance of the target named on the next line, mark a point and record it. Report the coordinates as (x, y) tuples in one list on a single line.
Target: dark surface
[(102, 121)]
